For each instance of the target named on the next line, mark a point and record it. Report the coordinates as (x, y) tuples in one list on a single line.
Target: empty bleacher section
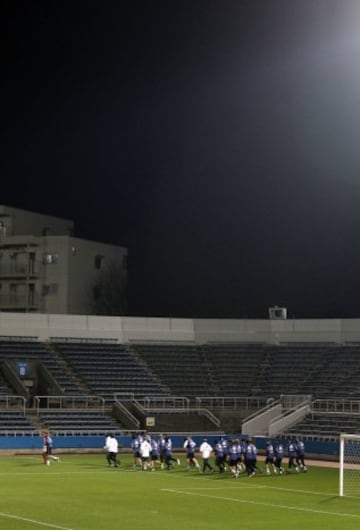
[(290, 369), (319, 369), (225, 369), (13, 416), (108, 369), (328, 418), (236, 367), (80, 421), (338, 373), (212, 375), (5, 387), (74, 415), (48, 374), (182, 368), (267, 371), (14, 421)]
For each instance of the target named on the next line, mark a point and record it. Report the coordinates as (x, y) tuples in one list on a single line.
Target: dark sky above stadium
[(217, 140)]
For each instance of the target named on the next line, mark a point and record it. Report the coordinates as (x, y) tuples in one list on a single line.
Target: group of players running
[(231, 454)]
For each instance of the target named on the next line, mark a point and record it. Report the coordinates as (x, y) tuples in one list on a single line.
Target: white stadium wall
[(232, 330), (127, 329)]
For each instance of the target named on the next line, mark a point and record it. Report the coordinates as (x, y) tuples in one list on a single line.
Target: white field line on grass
[(57, 474), (240, 484), (266, 504), (263, 487), (46, 471), (33, 521)]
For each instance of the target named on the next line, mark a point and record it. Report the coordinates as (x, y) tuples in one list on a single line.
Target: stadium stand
[(182, 368), (13, 350), (108, 369), (78, 421), (326, 425), (213, 370), (236, 367), (14, 421), (5, 388)]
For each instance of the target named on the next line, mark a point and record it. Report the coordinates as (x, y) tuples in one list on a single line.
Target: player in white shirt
[(145, 450), (206, 450), (112, 449)]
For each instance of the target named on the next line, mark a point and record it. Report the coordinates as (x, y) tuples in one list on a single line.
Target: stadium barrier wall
[(328, 450), (127, 329)]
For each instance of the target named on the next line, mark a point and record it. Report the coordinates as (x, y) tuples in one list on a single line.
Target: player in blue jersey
[(279, 455), (169, 459), (161, 443), (154, 454), (234, 456), (300, 458), (219, 456), (250, 458), (292, 454), (243, 445), (225, 445), (135, 447), (269, 457), (190, 446)]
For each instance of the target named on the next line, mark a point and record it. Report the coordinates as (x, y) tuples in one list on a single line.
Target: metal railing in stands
[(230, 402), (165, 402), (13, 402), (340, 405), (69, 402)]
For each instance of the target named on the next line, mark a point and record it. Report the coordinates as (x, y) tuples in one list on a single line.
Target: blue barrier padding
[(97, 442)]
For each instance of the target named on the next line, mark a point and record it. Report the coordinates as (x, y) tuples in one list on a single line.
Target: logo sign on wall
[(23, 370)]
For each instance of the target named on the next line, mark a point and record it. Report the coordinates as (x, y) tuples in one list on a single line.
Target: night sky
[(218, 140)]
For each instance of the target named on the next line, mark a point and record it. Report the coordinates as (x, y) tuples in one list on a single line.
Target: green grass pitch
[(82, 493)]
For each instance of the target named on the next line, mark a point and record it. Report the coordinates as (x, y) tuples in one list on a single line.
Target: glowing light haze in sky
[(219, 141)]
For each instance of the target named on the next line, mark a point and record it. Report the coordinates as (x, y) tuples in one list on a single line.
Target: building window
[(2, 229), (13, 292), (31, 294), (51, 289), (50, 259), (98, 261)]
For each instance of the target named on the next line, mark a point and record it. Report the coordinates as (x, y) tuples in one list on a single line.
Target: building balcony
[(10, 302), (19, 270)]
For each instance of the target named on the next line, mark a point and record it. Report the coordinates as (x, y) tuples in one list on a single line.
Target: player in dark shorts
[(189, 446), (47, 444), (269, 457), (234, 456), (300, 459), (279, 455), (292, 453)]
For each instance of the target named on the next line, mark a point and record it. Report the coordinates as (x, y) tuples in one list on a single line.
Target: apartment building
[(44, 268)]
